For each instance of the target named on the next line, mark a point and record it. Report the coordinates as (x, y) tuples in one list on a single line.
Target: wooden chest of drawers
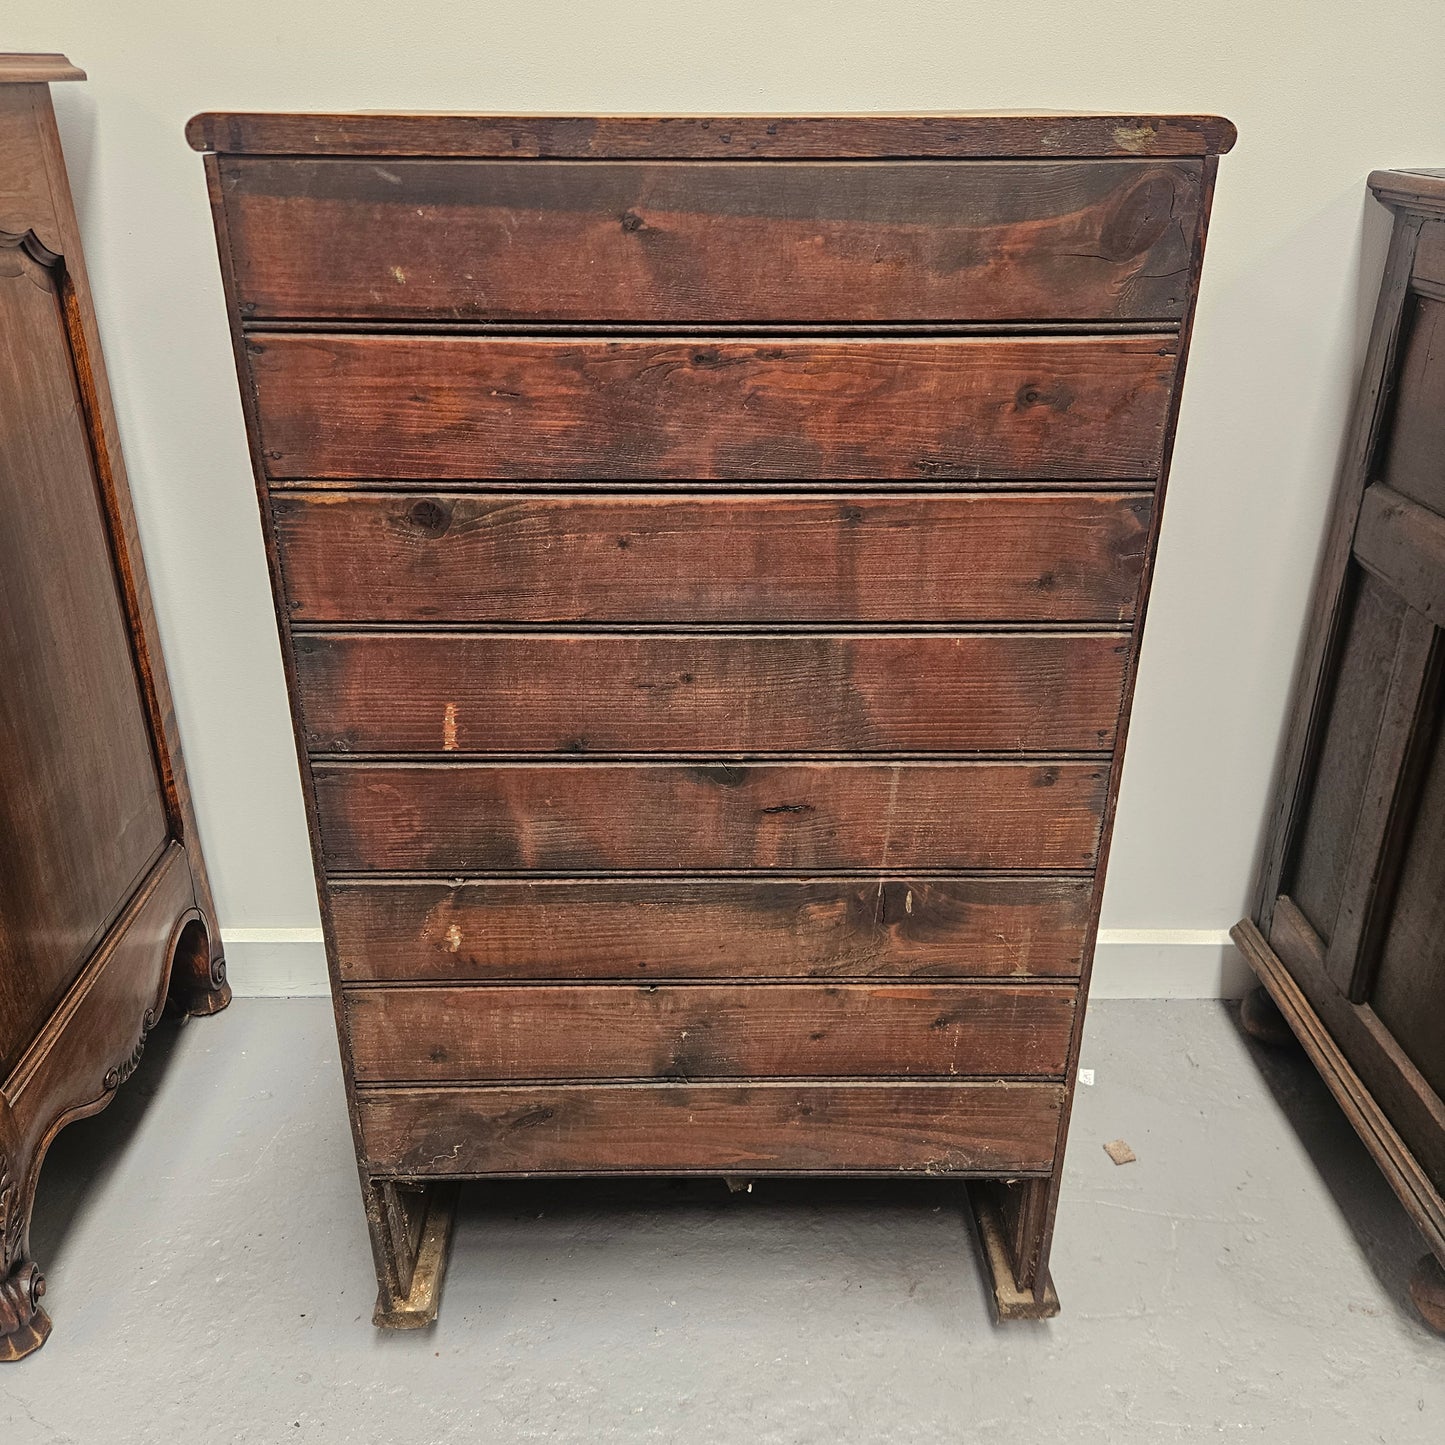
[(710, 558)]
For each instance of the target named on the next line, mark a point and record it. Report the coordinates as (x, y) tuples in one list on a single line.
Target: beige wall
[(1321, 93)]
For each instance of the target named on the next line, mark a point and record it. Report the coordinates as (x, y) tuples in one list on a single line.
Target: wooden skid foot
[(419, 1308), (1427, 1292), (24, 1325), (1260, 1018), (1010, 1301)]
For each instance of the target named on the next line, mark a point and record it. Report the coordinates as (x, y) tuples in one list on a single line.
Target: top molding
[(749, 137), (1422, 190), (17, 68)]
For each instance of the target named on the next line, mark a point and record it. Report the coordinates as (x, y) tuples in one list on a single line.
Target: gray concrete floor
[(210, 1278)]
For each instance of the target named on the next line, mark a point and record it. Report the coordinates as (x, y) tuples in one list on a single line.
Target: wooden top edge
[(1422, 190), (1038, 135), (18, 68)]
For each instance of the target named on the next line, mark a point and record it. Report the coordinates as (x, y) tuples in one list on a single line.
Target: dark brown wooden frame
[(410, 1220), (165, 944), (1319, 988)]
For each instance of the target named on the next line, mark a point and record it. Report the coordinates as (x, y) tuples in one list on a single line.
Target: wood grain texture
[(1403, 544), (462, 407), (27, 204), (36, 68), (1387, 801), (1328, 614), (35, 202), (1427, 276), (1414, 454), (405, 475), (1408, 987), (636, 242), (103, 894), (1353, 868), (1332, 1056), (796, 137), (710, 928), (597, 817), (609, 693), (82, 817), (87, 1047), (703, 1031), (980, 557), (712, 1128), (1421, 190), (1386, 1072), (1349, 724)]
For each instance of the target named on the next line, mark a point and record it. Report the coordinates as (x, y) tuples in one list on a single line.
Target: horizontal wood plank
[(703, 1031), (795, 137), (939, 1128), (600, 817), (583, 242), (710, 928), (975, 557), (609, 693), (473, 407), (36, 68)]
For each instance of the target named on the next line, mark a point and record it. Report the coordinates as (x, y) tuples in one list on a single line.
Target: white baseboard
[(1168, 963), (275, 962), (1128, 963)]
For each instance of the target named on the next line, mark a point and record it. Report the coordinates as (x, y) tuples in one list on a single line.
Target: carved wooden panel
[(104, 901)]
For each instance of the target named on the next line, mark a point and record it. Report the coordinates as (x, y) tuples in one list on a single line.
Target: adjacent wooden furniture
[(104, 903), (710, 556), (1347, 932)]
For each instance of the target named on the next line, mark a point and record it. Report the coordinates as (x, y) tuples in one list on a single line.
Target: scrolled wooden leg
[(1260, 1018), (1427, 1292), (24, 1325), (198, 972)]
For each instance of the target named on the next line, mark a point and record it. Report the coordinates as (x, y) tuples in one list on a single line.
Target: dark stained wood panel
[(472, 407), (1316, 875), (609, 693), (1414, 459), (597, 817), (36, 68), (708, 555), (732, 1128), (105, 909), (979, 557), (1403, 544), (796, 137), (710, 928), (1428, 272), (1346, 934), (81, 810), (1408, 992), (583, 241), (702, 1031)]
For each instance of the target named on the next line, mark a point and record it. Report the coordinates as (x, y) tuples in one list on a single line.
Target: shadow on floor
[(841, 1216), (1388, 1240), (84, 1154), (601, 1198)]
